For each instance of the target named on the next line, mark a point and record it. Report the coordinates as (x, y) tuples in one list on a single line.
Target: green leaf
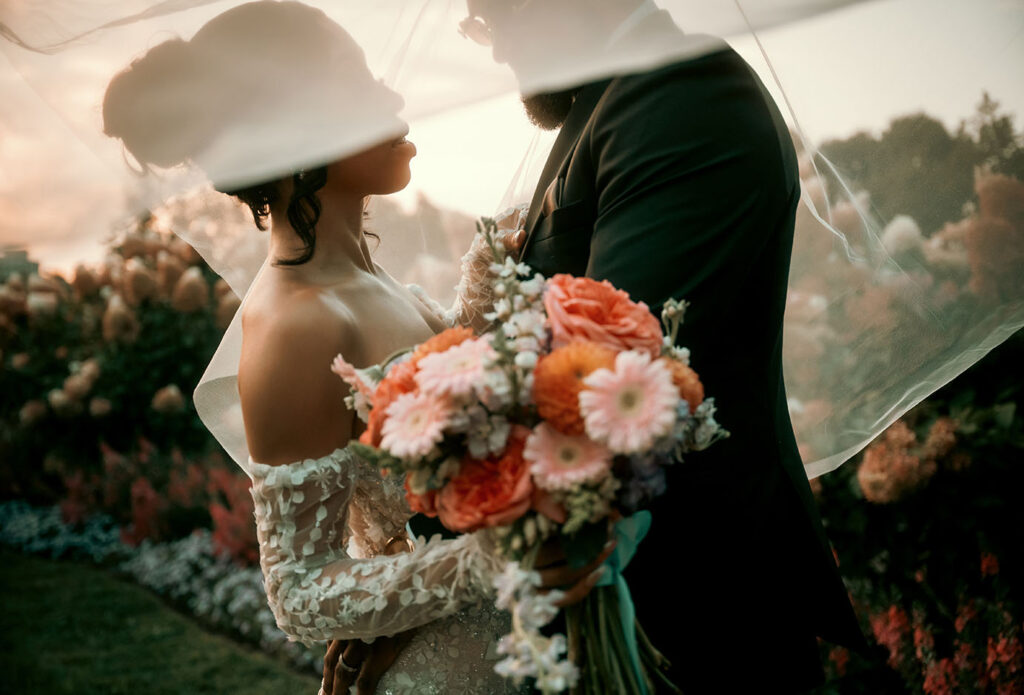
[(1003, 414)]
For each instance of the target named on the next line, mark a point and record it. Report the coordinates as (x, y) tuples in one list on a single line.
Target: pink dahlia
[(629, 408), (415, 423), (559, 461), (455, 371)]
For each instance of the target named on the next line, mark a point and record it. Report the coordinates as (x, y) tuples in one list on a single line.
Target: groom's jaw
[(549, 110)]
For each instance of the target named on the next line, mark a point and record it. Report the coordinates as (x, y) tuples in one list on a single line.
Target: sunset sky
[(61, 186)]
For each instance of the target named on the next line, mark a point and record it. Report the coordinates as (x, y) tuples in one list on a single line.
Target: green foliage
[(918, 168)]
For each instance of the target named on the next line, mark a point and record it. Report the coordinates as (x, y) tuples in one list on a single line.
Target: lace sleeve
[(318, 589), (474, 295)]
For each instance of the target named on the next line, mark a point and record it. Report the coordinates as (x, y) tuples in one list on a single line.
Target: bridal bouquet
[(559, 418)]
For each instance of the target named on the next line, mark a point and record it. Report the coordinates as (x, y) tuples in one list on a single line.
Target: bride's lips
[(404, 143)]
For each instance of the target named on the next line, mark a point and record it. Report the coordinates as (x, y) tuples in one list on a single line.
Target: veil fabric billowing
[(882, 312)]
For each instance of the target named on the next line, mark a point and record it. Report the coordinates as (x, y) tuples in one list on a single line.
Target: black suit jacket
[(682, 182)]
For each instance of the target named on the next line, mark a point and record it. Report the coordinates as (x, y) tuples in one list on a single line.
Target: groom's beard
[(549, 111)]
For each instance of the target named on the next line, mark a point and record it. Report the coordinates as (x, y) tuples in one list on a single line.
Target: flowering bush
[(929, 536)]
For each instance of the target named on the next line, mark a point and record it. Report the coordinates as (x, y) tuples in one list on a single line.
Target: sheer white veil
[(882, 312)]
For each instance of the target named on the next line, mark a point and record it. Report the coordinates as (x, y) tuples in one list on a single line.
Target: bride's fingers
[(579, 592), (379, 660), (349, 666), (331, 658), (564, 575)]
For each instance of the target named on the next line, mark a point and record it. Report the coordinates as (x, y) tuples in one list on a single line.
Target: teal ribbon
[(628, 532)]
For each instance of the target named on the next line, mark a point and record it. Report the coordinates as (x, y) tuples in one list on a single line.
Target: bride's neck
[(341, 249)]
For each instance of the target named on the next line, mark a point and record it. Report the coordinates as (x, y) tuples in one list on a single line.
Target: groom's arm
[(692, 176)]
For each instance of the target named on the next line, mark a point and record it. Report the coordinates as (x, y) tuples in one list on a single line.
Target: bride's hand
[(354, 662), (576, 583)]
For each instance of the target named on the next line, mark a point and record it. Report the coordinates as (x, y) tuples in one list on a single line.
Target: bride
[(331, 529)]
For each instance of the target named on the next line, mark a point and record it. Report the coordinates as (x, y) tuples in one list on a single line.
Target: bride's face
[(379, 170)]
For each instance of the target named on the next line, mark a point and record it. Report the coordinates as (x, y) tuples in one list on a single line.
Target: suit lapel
[(564, 145)]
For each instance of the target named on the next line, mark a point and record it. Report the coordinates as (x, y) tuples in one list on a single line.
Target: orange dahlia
[(687, 381), (448, 338), (558, 380)]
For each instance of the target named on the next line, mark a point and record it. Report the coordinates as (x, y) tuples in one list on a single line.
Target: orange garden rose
[(558, 380), (585, 309), (423, 504), (490, 492), (687, 381), (400, 380)]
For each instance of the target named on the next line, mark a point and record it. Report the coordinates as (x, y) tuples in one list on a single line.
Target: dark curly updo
[(205, 101)]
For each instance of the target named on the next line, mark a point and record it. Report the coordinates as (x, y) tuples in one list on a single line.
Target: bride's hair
[(178, 98)]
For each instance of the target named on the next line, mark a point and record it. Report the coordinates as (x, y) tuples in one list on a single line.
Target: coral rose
[(401, 379), (687, 381), (490, 492), (585, 309), (442, 341), (558, 380), (423, 504)]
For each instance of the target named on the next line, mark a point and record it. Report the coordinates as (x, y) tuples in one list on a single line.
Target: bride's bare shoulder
[(291, 402)]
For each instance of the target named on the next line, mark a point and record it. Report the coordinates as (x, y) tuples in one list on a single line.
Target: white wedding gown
[(322, 525)]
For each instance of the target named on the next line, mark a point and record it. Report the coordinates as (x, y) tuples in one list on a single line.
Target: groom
[(681, 182)]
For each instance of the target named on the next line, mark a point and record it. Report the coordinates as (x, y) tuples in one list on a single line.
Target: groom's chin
[(549, 111)]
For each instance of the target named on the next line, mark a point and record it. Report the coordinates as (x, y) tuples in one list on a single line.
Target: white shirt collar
[(646, 9)]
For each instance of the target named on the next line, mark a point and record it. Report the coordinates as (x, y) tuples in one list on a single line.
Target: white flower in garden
[(191, 293), (169, 399), (415, 424), (902, 235), (39, 304), (32, 412), (561, 461), (629, 408), (61, 403), (139, 283), (119, 321), (77, 386), (227, 306), (100, 407)]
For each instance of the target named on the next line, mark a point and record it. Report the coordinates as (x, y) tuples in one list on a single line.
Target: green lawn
[(75, 629)]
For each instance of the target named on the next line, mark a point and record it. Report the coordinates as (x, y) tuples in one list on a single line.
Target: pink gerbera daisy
[(629, 408), (415, 423), (351, 377), (559, 461), (455, 371)]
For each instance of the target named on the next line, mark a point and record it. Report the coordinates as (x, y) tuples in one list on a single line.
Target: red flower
[(989, 565), (892, 629), (940, 678)]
